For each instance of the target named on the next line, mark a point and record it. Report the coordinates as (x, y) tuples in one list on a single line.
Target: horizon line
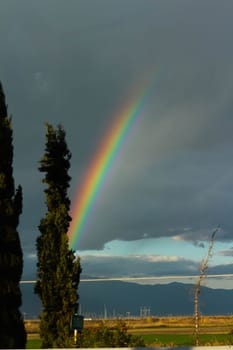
[(101, 279)]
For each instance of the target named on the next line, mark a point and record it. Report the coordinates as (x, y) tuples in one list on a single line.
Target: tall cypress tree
[(12, 331), (58, 269)]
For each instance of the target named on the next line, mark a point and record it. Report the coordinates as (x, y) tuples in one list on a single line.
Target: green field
[(167, 340), (162, 331), (186, 339), (33, 344)]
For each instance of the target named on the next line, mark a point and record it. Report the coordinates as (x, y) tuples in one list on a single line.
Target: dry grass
[(32, 326), (173, 321), (134, 324)]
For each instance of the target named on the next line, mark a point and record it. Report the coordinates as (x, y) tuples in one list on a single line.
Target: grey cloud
[(221, 269), (135, 266), (190, 189), (94, 266), (226, 252), (76, 64), (199, 244)]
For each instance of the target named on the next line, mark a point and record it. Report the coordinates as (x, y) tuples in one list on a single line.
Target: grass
[(32, 326), (153, 340), (33, 344), (163, 340), (150, 325)]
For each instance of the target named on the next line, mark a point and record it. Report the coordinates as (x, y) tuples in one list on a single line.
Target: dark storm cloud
[(136, 266), (227, 252), (76, 63), (140, 266), (105, 266), (221, 269)]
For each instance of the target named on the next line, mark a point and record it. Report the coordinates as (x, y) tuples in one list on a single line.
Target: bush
[(103, 336)]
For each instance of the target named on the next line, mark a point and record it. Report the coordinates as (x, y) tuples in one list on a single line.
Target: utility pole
[(105, 312)]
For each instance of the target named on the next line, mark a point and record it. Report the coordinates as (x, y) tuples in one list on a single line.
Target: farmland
[(177, 324), (161, 331)]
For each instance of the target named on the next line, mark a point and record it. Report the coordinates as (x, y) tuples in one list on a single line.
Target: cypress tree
[(58, 269), (12, 330)]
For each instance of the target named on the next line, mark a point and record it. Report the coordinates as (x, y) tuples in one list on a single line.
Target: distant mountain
[(117, 298)]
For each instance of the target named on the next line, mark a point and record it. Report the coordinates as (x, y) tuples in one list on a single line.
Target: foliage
[(12, 331), (103, 336), (58, 269)]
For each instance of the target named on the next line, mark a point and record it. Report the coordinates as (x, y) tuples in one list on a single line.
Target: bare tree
[(203, 268)]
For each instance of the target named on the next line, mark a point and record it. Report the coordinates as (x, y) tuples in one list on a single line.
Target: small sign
[(77, 322)]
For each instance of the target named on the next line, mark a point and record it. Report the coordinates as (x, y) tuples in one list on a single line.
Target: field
[(33, 344), (161, 331)]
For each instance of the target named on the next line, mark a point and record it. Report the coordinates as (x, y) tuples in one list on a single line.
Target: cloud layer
[(76, 63)]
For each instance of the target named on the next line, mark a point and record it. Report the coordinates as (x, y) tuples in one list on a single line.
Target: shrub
[(103, 336)]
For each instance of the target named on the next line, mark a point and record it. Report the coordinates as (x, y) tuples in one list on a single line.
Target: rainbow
[(100, 165)]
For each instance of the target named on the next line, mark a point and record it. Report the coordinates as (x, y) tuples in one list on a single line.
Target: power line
[(138, 278)]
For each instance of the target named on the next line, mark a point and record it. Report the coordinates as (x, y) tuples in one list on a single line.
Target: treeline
[(58, 269)]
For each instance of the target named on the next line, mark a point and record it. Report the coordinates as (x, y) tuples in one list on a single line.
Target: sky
[(78, 63)]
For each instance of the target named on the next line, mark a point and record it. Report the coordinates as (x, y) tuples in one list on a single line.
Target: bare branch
[(203, 268)]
